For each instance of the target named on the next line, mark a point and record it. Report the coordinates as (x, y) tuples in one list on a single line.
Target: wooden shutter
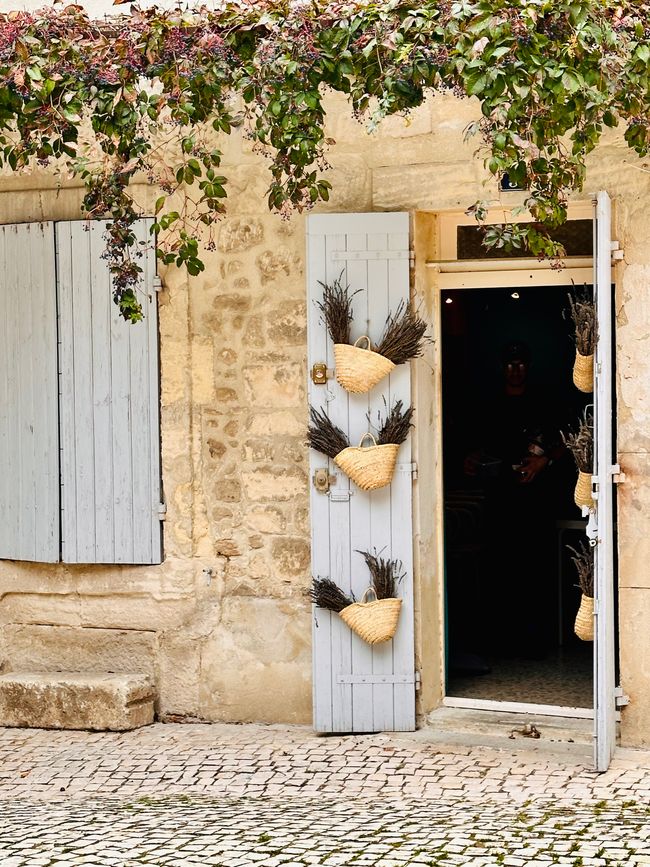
[(29, 440), (601, 525), (110, 452), (358, 688)]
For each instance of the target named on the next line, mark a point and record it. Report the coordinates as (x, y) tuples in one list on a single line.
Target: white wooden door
[(110, 435), (29, 426), (358, 688), (602, 524)]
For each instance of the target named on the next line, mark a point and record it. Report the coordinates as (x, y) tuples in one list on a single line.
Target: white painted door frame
[(453, 274)]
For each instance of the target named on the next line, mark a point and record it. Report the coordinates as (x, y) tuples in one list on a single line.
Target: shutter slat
[(29, 459), (109, 389)]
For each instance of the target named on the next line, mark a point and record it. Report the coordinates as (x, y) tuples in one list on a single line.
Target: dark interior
[(511, 589)]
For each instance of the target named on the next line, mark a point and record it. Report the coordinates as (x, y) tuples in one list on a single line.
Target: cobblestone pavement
[(254, 795)]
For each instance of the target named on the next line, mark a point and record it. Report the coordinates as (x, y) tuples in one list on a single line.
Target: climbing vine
[(147, 96)]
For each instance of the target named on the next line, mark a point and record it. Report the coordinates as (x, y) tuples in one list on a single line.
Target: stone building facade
[(224, 625)]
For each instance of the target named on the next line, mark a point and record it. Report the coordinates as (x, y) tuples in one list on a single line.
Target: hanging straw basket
[(584, 625), (582, 495), (375, 621), (357, 369), (583, 373), (369, 467)]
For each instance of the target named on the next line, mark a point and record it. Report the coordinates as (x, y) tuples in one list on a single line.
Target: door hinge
[(411, 468), (618, 476), (622, 700), (162, 512), (418, 681), (617, 252), (157, 284)]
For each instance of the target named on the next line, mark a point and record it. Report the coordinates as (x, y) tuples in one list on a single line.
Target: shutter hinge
[(411, 468), (157, 284), (411, 258), (618, 476), (162, 512), (617, 252), (418, 681), (622, 700)]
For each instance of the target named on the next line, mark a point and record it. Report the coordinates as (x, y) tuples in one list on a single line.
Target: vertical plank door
[(29, 436), (110, 469), (359, 688)]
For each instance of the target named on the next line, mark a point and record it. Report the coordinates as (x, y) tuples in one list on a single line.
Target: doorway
[(509, 517)]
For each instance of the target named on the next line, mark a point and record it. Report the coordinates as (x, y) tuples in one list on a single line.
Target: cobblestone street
[(255, 795)]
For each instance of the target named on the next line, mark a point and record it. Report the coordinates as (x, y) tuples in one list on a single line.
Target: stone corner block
[(72, 700)]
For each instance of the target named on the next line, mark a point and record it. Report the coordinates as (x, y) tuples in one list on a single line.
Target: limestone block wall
[(223, 624)]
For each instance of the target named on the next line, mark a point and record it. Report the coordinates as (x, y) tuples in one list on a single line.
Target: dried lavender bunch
[(404, 335), (336, 308), (324, 436), (396, 427), (583, 314), (581, 446), (583, 558), (326, 594), (386, 574)]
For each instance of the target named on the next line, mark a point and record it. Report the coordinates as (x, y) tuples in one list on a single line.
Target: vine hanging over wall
[(143, 94)]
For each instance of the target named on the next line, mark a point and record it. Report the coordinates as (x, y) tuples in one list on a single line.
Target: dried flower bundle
[(583, 558), (583, 314), (404, 335), (325, 594), (395, 428), (336, 308), (386, 574), (324, 436), (581, 446)]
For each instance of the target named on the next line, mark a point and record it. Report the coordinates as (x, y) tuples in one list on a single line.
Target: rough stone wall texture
[(223, 624)]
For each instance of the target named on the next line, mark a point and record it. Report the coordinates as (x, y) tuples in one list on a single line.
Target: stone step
[(99, 701)]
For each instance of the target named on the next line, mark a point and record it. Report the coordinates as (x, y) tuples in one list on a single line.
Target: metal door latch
[(320, 373), (322, 480)]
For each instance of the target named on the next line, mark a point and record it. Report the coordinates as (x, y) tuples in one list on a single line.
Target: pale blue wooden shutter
[(110, 443), (358, 688), (29, 439)]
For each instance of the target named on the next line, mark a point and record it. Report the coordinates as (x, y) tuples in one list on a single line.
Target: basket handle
[(363, 337), (372, 590), (374, 441)]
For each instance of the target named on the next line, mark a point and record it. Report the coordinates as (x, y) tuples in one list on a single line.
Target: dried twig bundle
[(583, 558), (404, 335), (581, 446), (396, 427), (324, 436), (336, 308), (583, 314), (326, 594), (386, 574)]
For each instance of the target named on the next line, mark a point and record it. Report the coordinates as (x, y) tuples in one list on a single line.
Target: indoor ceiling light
[(515, 295), (449, 300)]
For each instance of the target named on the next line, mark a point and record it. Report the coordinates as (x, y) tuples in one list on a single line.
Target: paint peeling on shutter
[(29, 441), (110, 467), (357, 687)]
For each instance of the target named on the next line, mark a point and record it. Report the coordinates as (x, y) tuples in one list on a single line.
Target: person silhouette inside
[(517, 442)]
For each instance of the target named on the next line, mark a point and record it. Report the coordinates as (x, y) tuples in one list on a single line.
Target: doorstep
[(558, 736)]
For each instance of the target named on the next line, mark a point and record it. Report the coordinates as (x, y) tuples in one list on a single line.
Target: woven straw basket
[(583, 373), (357, 369), (375, 621), (584, 625), (369, 467), (582, 495)]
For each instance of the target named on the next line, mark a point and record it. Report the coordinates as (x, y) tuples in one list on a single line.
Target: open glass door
[(601, 529)]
